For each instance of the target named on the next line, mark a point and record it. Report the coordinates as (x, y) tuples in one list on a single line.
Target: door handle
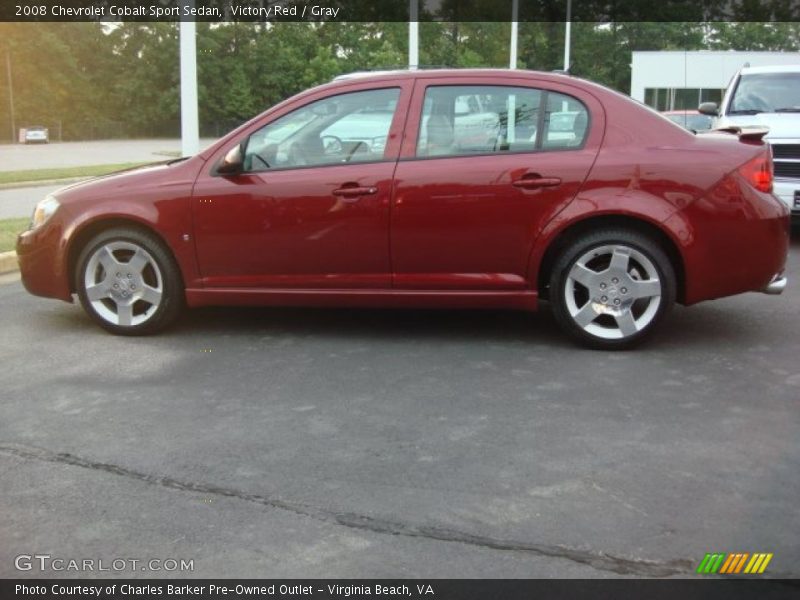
[(352, 192), (533, 182)]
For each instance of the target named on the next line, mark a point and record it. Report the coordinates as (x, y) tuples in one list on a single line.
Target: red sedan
[(440, 189)]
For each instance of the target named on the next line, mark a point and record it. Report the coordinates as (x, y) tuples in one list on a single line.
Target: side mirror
[(233, 163), (709, 108)]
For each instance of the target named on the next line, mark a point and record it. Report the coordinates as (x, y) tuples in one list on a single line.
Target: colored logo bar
[(734, 563)]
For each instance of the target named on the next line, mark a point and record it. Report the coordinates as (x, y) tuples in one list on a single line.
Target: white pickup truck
[(768, 96)]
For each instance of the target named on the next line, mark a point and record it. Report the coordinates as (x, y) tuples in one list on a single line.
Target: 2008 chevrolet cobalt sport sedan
[(452, 188)]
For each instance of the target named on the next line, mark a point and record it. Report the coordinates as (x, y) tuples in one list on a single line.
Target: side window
[(340, 129), (465, 120), (566, 122)]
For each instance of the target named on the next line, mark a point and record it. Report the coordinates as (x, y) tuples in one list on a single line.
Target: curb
[(8, 262), (41, 183)]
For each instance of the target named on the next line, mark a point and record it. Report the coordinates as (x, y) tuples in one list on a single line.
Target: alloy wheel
[(613, 291), (123, 283)]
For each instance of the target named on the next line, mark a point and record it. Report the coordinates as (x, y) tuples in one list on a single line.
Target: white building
[(676, 80)]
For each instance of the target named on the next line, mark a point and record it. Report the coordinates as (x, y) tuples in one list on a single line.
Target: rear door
[(484, 167)]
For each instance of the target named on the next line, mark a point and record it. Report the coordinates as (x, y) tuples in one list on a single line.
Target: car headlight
[(43, 211)]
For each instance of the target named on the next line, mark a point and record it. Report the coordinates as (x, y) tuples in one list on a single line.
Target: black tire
[(605, 308), (159, 275)]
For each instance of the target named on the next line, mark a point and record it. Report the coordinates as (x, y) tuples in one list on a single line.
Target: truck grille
[(786, 151), (787, 169)]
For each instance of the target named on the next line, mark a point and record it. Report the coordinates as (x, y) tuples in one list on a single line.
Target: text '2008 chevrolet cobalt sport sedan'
[(452, 188)]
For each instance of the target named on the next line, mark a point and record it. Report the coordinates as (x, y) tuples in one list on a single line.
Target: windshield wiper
[(790, 109), (746, 111)]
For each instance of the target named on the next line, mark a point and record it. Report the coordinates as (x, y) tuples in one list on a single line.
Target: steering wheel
[(332, 144), (358, 146)]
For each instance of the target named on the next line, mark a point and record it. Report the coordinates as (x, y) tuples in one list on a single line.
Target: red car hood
[(169, 173)]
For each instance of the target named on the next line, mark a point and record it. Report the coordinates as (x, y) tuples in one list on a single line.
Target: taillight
[(758, 172)]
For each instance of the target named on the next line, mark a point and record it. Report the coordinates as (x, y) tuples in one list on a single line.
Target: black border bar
[(417, 589), (598, 11)]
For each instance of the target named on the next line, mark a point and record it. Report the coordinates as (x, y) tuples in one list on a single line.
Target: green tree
[(755, 36), (146, 87), (54, 82)]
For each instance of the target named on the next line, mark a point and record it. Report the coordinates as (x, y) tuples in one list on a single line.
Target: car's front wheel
[(609, 289), (128, 282)]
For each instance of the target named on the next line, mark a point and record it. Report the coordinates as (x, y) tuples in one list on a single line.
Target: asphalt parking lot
[(311, 443), (20, 202), (79, 154), (16, 202)]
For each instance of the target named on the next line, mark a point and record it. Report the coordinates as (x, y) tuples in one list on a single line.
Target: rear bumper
[(735, 240), (776, 286)]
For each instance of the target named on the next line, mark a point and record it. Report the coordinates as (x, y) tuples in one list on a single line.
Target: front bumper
[(788, 192), (42, 262)]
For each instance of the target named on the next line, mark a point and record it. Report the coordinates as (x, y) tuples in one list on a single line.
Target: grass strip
[(62, 173), (9, 229)]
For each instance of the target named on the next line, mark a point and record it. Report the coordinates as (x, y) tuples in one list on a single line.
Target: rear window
[(566, 122), (691, 121)]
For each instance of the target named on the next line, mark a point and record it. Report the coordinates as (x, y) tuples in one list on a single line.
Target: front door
[(311, 208)]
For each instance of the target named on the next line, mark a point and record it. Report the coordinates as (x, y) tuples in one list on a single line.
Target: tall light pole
[(512, 52), (190, 127), (413, 34), (10, 95), (567, 36)]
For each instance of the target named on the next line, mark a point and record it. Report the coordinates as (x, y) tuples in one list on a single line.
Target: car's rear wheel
[(611, 288), (128, 282)]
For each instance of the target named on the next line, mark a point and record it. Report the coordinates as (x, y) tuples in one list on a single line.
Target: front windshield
[(766, 92)]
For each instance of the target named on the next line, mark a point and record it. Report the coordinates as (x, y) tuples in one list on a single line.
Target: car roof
[(445, 73), (449, 72), (368, 74), (772, 69)]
